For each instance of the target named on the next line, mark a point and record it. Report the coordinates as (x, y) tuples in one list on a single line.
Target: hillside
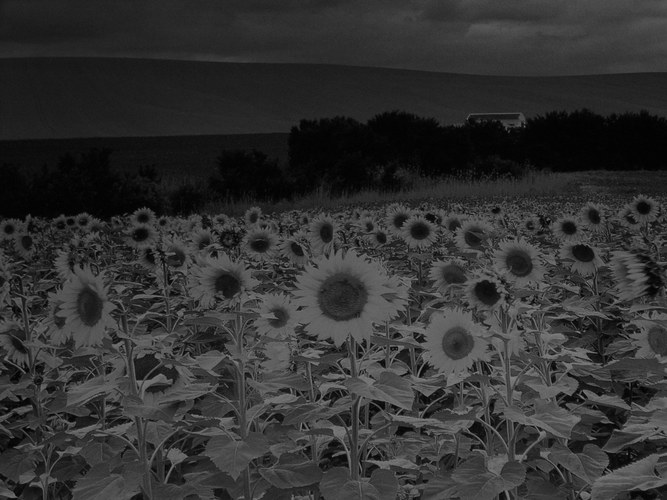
[(54, 98)]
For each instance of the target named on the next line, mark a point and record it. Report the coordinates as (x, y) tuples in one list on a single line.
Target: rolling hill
[(56, 98)]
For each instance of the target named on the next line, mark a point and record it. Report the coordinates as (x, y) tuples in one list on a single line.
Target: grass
[(537, 184)]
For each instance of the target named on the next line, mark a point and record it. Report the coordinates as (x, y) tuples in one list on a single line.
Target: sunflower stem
[(354, 416), (138, 421), (313, 439)]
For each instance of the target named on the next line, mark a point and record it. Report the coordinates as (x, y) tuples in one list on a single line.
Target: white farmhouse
[(508, 120)]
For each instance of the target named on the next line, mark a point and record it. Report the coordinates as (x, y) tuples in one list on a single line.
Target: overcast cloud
[(512, 37)]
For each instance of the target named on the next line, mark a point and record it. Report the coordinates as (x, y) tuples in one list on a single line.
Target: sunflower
[(628, 218), (651, 340), (644, 208), (295, 250), (24, 245), (454, 342), (9, 228), (277, 355), (143, 215), (567, 229), (636, 274), (473, 235), (230, 237), (277, 316), (141, 236), (201, 239), (12, 340), (367, 225), (447, 273), (221, 278), (252, 216), (377, 238), (342, 295), (148, 258), (418, 232), (260, 244), (592, 217), (586, 258), (56, 325), (322, 235), (59, 223), (519, 261), (452, 223), (485, 292), (531, 225), (176, 255), (65, 261), (86, 307), (163, 223), (397, 215), (83, 220)]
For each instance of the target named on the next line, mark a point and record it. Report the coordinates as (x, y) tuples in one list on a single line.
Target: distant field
[(187, 156), (86, 97)]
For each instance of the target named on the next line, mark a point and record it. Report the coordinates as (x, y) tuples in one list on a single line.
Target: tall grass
[(421, 189)]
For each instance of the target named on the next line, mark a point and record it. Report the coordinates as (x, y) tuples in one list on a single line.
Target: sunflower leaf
[(639, 475), (587, 465), (390, 388), (232, 456)]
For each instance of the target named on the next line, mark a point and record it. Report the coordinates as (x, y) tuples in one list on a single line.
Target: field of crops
[(442, 351)]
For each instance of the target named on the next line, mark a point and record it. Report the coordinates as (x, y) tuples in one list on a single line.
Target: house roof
[(495, 116)]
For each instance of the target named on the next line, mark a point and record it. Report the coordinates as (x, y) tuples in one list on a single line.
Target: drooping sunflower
[(342, 295), (220, 278), (12, 340), (65, 262), (567, 229), (86, 307), (149, 258), (454, 342), (277, 316), (519, 261), (585, 258), (418, 232), (176, 255), (277, 355), (397, 215), (322, 235), (143, 215), (260, 244), (252, 216), (485, 292), (637, 275), (592, 216), (644, 208), (295, 250), (141, 236), (473, 236), (444, 274), (628, 218), (651, 340), (59, 223)]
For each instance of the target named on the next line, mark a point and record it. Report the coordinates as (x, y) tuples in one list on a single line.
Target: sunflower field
[(511, 350)]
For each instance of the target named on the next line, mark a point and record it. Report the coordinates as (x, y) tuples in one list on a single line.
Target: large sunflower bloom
[(644, 208), (322, 235), (585, 258), (519, 261), (651, 340), (277, 316), (342, 296), (86, 307), (454, 342)]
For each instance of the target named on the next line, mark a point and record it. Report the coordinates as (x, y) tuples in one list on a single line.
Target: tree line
[(341, 154)]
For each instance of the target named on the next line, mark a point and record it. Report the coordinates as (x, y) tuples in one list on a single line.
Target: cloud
[(468, 36)]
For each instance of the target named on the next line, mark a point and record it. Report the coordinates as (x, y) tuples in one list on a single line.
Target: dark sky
[(500, 37)]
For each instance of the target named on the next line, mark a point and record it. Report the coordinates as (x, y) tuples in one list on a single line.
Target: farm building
[(508, 120)]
